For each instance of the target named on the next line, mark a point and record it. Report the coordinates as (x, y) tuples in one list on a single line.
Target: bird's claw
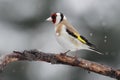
[(65, 53), (76, 56)]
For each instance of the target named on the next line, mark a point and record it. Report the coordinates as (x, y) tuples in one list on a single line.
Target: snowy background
[(23, 26)]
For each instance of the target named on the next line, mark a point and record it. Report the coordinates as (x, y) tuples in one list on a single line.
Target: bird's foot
[(76, 56), (65, 53)]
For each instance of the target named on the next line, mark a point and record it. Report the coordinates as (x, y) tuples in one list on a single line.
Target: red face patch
[(53, 16)]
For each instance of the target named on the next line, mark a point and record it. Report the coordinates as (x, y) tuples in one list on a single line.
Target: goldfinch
[(67, 36)]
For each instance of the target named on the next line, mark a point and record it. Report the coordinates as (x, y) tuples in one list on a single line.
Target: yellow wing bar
[(76, 35), (80, 38)]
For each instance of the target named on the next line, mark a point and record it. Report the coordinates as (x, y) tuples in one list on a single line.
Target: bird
[(67, 36)]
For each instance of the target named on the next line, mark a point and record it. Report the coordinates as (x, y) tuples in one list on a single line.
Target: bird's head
[(56, 18)]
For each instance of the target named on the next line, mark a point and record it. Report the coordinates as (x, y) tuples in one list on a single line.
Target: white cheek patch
[(58, 18)]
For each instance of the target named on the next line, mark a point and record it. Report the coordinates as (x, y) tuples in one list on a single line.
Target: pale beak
[(49, 19)]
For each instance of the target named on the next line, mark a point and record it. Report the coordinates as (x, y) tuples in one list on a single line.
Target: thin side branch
[(34, 55)]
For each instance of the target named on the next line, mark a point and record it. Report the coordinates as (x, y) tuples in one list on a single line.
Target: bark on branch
[(34, 55)]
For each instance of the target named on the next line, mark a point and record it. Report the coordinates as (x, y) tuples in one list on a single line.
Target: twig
[(34, 55)]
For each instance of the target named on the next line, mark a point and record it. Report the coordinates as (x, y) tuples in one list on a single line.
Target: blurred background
[(23, 27)]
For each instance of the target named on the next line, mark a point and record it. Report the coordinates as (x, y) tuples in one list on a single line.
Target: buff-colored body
[(65, 40)]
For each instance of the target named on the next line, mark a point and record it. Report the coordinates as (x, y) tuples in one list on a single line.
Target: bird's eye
[(54, 16)]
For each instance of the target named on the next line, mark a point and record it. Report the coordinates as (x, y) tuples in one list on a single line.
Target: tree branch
[(34, 55)]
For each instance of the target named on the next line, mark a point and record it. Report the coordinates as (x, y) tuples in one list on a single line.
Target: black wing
[(80, 38), (87, 42)]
